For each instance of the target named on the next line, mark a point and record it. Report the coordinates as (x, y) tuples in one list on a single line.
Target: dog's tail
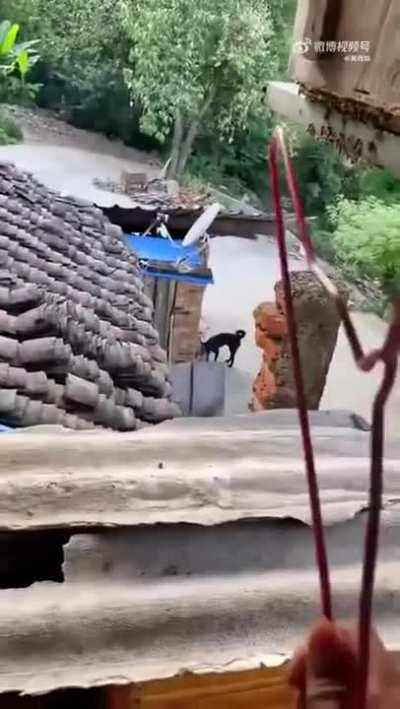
[(201, 350)]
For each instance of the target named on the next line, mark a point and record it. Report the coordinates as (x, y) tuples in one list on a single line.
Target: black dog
[(224, 339)]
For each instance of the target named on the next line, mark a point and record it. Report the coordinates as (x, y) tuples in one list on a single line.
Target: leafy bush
[(94, 98), (9, 131), (73, 32), (379, 183), (367, 239), (204, 171), (323, 243), (322, 175), (16, 60)]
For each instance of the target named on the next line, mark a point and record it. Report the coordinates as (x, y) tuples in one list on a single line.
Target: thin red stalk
[(306, 240), (294, 192), (389, 355), (372, 531), (354, 342), (319, 536)]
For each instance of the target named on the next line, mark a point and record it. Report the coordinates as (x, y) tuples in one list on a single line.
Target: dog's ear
[(241, 334)]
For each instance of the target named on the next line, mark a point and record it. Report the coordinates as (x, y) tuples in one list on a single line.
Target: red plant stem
[(306, 240), (372, 531), (387, 354), (319, 536), (350, 331)]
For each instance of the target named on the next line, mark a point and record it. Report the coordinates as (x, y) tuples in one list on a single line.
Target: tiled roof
[(77, 343)]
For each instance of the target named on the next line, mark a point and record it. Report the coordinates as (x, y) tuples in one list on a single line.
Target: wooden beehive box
[(348, 56)]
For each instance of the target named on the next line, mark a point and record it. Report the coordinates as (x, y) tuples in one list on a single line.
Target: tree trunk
[(183, 140), (176, 147), (187, 147)]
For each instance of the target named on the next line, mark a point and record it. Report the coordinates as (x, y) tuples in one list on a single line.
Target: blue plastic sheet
[(5, 429), (156, 248)]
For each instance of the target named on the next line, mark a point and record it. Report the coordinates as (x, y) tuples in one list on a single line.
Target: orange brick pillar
[(317, 325)]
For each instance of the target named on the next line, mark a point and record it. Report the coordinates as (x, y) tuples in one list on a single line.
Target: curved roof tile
[(77, 343)]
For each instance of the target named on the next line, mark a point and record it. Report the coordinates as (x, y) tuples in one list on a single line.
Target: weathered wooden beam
[(356, 140), (179, 222)]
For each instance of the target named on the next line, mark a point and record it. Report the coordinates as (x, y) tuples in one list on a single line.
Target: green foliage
[(323, 175), (283, 16), (238, 165), (379, 183), (16, 60), (204, 61), (76, 32), (324, 244), (20, 11), (95, 98), (83, 51), (367, 239), (15, 57), (205, 172), (9, 132)]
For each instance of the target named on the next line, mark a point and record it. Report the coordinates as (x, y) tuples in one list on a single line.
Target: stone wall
[(317, 325)]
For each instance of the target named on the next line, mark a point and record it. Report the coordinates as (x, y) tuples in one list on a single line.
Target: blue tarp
[(5, 429), (156, 248)]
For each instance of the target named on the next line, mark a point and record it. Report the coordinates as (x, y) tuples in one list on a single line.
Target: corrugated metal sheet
[(203, 473), (212, 568)]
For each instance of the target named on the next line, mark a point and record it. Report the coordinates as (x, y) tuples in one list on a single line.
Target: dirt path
[(68, 159)]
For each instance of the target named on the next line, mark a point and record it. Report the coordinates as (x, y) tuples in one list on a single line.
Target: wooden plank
[(252, 689), (376, 22), (381, 77), (162, 303), (320, 20), (355, 139), (244, 690), (242, 225)]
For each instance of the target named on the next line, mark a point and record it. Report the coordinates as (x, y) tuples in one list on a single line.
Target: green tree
[(83, 51), (75, 32), (283, 17), (196, 64), (367, 238)]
